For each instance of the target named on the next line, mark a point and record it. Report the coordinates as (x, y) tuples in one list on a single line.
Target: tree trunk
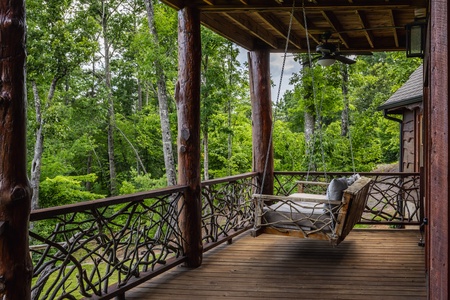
[(205, 155), (230, 139), (309, 127), (38, 148), (309, 140), (205, 121), (15, 192), (88, 184), (111, 117), (163, 104), (230, 87), (139, 104), (344, 115), (39, 143)]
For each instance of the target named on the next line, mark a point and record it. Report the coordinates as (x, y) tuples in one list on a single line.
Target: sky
[(276, 63)]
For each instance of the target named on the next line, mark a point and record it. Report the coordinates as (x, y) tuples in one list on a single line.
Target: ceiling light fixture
[(326, 61)]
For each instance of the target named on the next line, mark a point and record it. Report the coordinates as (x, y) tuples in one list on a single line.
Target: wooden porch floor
[(369, 264)]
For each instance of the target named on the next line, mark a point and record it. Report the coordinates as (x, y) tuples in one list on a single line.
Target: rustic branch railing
[(394, 198), (227, 208), (99, 249)]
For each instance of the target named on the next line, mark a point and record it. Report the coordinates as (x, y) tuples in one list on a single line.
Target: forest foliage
[(72, 103)]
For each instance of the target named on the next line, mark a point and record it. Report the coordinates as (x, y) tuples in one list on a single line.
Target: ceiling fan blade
[(344, 59), (306, 63)]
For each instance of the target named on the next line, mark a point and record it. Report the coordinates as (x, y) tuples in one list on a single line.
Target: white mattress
[(295, 215)]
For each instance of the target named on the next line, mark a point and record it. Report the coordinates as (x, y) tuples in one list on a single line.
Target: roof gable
[(408, 93)]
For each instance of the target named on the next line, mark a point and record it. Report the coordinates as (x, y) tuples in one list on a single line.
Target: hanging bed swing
[(329, 216)]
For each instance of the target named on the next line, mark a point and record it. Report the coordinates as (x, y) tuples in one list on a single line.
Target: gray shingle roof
[(410, 92)]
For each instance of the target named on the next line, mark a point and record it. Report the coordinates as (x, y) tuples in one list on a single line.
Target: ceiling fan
[(329, 53)]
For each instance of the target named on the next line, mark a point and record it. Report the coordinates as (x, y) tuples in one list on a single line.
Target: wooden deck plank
[(369, 264)]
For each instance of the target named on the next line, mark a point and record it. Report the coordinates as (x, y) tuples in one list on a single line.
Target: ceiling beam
[(300, 19), (394, 29), (258, 31), (337, 27), (280, 28), (230, 32), (365, 24)]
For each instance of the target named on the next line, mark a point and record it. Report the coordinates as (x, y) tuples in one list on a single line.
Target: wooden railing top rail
[(229, 178), (349, 173), (43, 213), (39, 214)]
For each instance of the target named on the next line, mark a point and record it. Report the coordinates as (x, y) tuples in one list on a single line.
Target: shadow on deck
[(369, 264)]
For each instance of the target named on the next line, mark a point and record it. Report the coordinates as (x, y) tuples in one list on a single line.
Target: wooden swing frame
[(351, 208)]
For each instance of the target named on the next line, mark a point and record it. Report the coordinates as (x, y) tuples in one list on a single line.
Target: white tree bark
[(111, 117), (309, 127), (163, 104), (39, 143), (205, 156)]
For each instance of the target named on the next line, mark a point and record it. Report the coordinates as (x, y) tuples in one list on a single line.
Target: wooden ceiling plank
[(256, 30), (394, 29), (176, 4), (330, 5), (281, 29), (337, 27), (357, 25), (300, 19), (365, 24), (230, 32)]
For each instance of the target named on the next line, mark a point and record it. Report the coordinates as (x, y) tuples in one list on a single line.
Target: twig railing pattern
[(227, 207), (96, 248), (394, 198), (99, 249)]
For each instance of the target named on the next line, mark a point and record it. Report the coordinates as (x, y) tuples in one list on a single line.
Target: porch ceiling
[(356, 25)]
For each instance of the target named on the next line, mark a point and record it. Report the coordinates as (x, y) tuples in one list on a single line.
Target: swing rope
[(318, 108), (318, 123), (266, 162), (348, 122), (278, 96)]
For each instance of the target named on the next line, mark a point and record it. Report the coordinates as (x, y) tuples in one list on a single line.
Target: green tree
[(54, 53), (163, 99), (222, 90), (62, 190), (329, 93)]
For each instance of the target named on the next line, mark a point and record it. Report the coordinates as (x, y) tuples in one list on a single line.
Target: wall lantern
[(416, 38)]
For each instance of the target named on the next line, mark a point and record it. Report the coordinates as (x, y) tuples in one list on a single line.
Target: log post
[(438, 143), (15, 191), (188, 107), (260, 93)]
